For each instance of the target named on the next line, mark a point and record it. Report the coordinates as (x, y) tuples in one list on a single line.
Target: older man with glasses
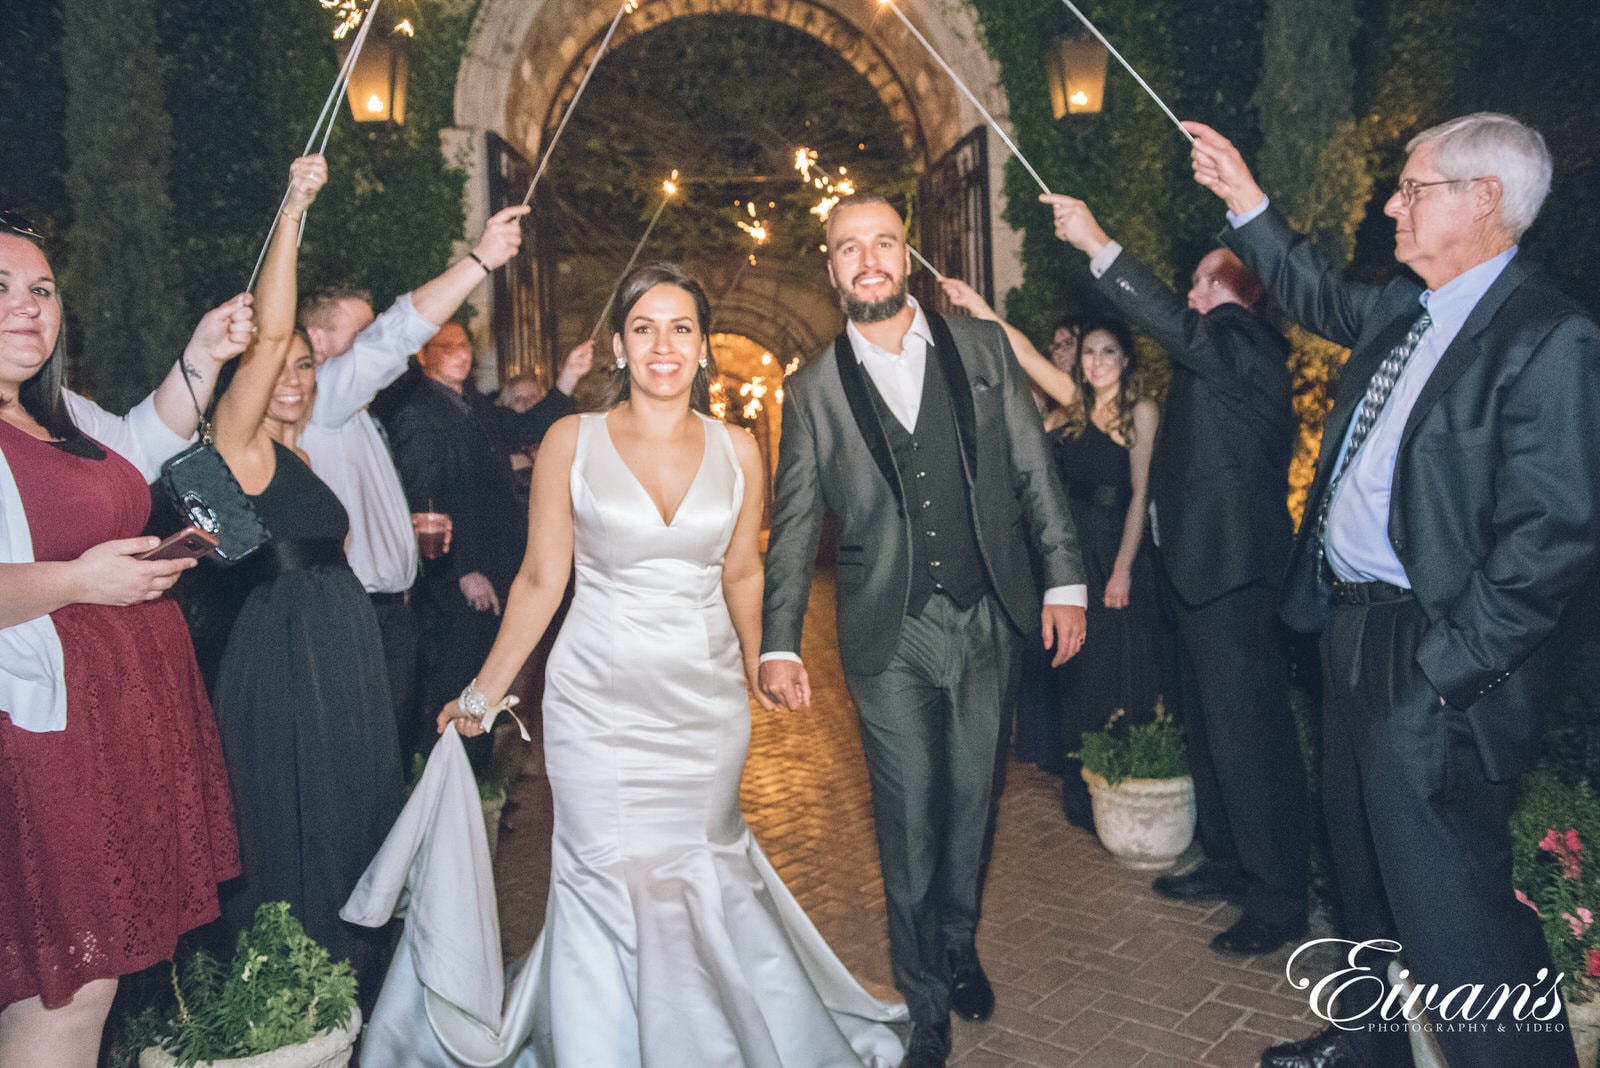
[(1455, 511)]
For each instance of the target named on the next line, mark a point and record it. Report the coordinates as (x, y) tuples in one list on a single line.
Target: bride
[(669, 939)]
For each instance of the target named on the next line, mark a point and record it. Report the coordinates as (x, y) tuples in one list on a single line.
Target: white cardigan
[(33, 688)]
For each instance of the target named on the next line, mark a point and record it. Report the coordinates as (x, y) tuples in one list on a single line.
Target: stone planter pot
[(1584, 1020), (330, 1049), (493, 807), (1144, 823)]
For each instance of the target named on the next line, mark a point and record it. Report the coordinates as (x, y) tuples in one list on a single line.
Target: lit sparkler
[(669, 189), (628, 6)]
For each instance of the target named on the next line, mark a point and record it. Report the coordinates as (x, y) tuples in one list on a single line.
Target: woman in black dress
[(302, 695), (1103, 447)]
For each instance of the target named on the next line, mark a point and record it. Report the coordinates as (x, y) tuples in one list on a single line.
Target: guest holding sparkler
[(1219, 482)]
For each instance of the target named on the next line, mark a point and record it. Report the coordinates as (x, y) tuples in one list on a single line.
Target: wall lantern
[(1077, 73), (377, 88)]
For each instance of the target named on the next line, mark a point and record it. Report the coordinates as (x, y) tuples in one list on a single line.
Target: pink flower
[(1568, 849), (1524, 899), (1594, 962), (1579, 923)]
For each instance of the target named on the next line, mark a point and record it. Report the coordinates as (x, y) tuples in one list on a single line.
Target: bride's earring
[(704, 360), (622, 365)]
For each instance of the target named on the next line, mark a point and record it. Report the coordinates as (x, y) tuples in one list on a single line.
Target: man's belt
[(1367, 592)]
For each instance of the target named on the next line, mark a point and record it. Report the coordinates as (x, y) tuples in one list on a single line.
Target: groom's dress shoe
[(1204, 883), (1329, 1048), (971, 995), (1251, 937), (929, 1047)]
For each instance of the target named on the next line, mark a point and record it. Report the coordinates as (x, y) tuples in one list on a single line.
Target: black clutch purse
[(206, 494)]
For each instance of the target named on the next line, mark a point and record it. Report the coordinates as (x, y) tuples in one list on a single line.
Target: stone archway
[(526, 58)]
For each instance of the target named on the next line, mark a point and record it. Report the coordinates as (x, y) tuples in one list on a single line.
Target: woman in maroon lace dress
[(115, 822)]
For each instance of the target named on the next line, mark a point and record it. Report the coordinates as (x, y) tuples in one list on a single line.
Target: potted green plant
[(1140, 789), (1553, 823), (280, 1003)]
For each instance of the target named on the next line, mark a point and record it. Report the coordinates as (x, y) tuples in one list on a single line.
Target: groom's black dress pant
[(930, 725)]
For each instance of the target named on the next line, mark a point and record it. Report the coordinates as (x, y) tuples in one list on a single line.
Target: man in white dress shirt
[(357, 354)]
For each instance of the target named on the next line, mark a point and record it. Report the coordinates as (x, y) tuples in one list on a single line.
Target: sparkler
[(627, 7), (1142, 83), (324, 123), (920, 258), (995, 126), (669, 189)]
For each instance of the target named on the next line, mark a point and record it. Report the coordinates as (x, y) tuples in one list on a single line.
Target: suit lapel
[(955, 376), (1464, 348), (854, 382)]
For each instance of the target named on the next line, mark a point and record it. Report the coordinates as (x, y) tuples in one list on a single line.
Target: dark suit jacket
[(1495, 508), (459, 461), (835, 457), (1220, 472)]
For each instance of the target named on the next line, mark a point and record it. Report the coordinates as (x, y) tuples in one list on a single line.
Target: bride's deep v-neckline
[(655, 508)]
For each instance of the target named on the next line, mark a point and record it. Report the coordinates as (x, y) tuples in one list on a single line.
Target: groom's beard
[(874, 311)]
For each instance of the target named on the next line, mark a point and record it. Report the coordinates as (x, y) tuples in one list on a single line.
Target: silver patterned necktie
[(1378, 390)]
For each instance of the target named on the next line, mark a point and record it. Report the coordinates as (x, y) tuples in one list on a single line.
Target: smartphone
[(186, 543)]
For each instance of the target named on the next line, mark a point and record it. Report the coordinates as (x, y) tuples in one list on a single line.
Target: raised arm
[(1044, 374), (223, 333), (243, 407), (438, 299), (541, 582)]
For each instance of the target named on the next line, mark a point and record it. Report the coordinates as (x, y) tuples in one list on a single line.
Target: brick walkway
[(1090, 968)]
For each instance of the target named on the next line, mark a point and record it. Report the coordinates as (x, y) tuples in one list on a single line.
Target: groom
[(920, 436)]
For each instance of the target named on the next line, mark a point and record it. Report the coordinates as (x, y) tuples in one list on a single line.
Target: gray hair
[(1487, 144)]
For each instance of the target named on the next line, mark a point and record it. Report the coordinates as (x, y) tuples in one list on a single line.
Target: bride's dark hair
[(637, 283)]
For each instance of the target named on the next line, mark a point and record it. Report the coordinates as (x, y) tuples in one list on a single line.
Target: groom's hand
[(786, 683), (1065, 627)]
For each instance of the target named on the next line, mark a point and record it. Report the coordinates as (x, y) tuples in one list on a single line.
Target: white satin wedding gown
[(669, 940)]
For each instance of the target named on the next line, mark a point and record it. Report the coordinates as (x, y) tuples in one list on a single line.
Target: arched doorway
[(526, 59)]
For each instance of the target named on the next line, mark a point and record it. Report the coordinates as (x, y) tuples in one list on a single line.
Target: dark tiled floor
[(1090, 968)]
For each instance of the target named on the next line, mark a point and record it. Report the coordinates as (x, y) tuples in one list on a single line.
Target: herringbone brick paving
[(1090, 968)]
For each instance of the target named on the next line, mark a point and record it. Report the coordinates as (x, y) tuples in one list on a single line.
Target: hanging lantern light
[(377, 88), (1076, 68)]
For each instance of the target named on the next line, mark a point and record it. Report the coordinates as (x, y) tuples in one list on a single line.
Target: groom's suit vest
[(944, 547)]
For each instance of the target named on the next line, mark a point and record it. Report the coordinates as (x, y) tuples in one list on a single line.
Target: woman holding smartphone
[(115, 823)]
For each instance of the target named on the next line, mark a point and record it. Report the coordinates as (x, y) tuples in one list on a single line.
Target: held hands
[(223, 332), (964, 296), (1075, 223), (784, 682), (307, 175), (1220, 168), (575, 366), (109, 574), (1065, 627), (752, 679), (502, 237), (479, 592)]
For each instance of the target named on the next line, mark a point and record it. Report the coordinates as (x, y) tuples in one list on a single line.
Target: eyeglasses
[(19, 225), (1410, 187)]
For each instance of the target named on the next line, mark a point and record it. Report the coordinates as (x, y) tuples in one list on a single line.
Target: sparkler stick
[(1142, 83), (627, 6), (668, 189), (1015, 151), (923, 260), (329, 113)]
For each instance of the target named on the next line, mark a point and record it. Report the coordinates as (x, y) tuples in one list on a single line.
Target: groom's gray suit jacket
[(835, 457)]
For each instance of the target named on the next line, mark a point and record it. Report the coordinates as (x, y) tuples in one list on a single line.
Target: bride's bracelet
[(476, 705)]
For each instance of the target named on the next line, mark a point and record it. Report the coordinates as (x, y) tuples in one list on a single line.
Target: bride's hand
[(466, 725), (752, 681)]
